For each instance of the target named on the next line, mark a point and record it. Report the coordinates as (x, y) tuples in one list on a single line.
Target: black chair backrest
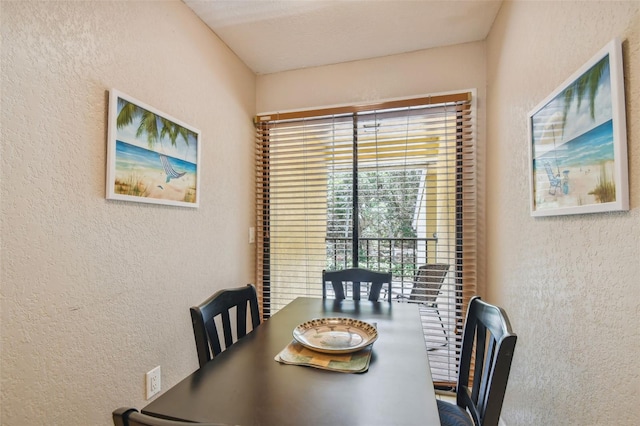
[(428, 282), (203, 317), (356, 276), (131, 417), (487, 343)]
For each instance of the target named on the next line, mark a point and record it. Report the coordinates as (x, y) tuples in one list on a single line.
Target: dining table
[(245, 385)]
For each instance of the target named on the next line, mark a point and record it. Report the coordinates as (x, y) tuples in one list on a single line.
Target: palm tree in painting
[(149, 124), (172, 130), (586, 84)]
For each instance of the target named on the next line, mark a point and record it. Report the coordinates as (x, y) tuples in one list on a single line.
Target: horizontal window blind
[(388, 187)]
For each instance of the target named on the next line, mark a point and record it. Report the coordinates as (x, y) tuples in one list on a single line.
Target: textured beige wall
[(418, 73), (570, 284), (95, 292)]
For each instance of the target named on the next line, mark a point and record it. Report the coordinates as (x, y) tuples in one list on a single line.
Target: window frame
[(465, 159)]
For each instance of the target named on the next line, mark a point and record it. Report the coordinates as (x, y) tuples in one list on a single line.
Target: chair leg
[(444, 330)]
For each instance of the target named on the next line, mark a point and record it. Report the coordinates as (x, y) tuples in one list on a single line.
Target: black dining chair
[(126, 416), (487, 345), (372, 280), (218, 307)]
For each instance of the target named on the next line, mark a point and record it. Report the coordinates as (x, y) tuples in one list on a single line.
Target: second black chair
[(203, 318), (357, 277), (485, 361)]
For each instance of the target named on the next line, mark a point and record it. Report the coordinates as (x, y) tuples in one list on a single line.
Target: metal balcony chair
[(427, 286), (428, 283), (487, 345), (203, 319), (373, 280)]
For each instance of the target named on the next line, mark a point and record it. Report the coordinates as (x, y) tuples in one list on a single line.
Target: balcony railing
[(400, 256)]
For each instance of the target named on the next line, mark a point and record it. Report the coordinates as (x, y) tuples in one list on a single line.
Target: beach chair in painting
[(554, 180)]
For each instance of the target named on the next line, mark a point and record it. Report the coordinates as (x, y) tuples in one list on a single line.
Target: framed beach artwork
[(152, 157), (578, 141)]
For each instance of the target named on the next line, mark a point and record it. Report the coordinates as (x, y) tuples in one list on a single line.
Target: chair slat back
[(487, 344), (357, 277), (219, 306)]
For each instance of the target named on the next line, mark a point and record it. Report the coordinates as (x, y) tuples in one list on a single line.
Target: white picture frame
[(578, 141), (152, 157)]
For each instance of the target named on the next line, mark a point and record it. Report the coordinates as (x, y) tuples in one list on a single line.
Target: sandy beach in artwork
[(151, 183), (582, 184)]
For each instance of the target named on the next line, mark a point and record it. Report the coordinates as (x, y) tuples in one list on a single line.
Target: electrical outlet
[(153, 382), (252, 235)]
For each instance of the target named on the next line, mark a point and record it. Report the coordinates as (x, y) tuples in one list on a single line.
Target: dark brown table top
[(245, 385)]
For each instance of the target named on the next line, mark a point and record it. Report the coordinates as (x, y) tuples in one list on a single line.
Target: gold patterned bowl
[(335, 335)]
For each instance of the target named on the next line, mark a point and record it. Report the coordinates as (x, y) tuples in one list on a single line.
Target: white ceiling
[(279, 35)]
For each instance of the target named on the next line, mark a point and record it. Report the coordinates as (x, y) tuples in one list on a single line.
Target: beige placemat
[(296, 354)]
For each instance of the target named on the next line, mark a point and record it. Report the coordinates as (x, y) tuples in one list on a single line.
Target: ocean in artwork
[(572, 173), (591, 147), (140, 172)]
